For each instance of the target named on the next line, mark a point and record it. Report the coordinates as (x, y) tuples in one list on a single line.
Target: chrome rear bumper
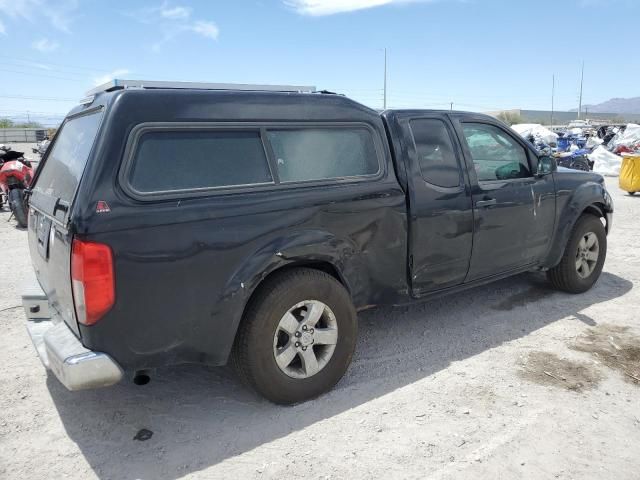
[(60, 350)]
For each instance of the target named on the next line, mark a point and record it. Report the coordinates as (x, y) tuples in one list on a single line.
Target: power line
[(47, 76), (47, 99), (25, 110), (36, 62)]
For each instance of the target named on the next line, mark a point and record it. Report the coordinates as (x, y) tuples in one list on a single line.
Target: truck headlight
[(607, 199)]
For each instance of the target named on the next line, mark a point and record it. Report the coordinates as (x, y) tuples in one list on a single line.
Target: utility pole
[(451, 106), (553, 91), (581, 83), (384, 102)]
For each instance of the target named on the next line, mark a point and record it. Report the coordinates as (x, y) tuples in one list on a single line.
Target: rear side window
[(198, 159), (436, 157), (323, 153), (65, 164)]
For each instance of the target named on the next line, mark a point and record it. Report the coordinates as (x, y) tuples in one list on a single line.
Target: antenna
[(384, 102), (581, 83)]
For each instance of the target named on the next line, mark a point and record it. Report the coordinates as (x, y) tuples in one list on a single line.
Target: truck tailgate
[(51, 209), (50, 248)]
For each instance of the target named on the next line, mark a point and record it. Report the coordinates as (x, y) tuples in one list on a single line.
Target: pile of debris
[(585, 147), (616, 141)]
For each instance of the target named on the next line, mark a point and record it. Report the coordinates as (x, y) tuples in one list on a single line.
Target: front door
[(513, 209), (441, 216)]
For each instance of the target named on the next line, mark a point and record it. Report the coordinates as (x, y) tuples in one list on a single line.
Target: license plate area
[(43, 231)]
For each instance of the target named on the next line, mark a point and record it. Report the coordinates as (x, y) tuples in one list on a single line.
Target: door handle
[(486, 203)]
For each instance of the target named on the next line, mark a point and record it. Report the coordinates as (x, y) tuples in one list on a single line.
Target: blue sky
[(480, 54)]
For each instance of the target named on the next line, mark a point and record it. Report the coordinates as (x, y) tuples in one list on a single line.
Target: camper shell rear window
[(65, 163)]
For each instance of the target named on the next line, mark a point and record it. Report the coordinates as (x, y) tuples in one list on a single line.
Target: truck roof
[(117, 84), (250, 93), (418, 111), (284, 102)]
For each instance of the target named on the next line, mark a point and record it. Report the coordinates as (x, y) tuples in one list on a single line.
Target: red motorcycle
[(15, 177)]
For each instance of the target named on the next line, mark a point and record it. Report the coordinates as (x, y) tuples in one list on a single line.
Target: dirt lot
[(511, 380)]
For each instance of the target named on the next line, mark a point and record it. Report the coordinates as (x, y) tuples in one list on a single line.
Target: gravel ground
[(511, 380)]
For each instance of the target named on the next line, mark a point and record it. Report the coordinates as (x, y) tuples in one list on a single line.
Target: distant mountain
[(615, 105)]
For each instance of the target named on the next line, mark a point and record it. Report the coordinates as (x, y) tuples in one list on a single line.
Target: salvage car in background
[(16, 173)]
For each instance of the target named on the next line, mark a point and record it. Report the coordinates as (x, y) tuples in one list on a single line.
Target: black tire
[(581, 165), (18, 206), (565, 275), (253, 352), (632, 193)]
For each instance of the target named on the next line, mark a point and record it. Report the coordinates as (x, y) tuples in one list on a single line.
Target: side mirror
[(546, 165)]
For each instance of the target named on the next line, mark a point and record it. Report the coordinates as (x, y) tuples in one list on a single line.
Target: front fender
[(574, 199)]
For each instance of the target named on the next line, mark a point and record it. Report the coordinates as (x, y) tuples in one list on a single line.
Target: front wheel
[(18, 206), (583, 257), (297, 336)]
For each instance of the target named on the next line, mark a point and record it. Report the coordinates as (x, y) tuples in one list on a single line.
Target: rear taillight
[(92, 280)]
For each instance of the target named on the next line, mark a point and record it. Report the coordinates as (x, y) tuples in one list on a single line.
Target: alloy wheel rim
[(587, 254), (305, 339)]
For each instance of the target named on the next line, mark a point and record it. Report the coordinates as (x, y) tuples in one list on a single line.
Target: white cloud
[(18, 8), (38, 65), (45, 45), (175, 13), (59, 13), (330, 7), (120, 72), (206, 29), (172, 21), (3, 30)]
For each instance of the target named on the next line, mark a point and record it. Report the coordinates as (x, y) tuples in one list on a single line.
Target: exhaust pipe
[(142, 377)]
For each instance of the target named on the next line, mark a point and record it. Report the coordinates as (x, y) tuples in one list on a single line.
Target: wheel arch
[(316, 250), (323, 266), (567, 222), (597, 209)]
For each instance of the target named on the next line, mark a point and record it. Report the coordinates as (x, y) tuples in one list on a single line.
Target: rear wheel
[(583, 257), (632, 193), (297, 336), (18, 206)]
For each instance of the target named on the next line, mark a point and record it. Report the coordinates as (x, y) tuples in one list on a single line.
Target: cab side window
[(496, 156), (436, 156)]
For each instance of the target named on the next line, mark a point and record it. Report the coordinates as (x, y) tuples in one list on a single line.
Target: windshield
[(63, 168)]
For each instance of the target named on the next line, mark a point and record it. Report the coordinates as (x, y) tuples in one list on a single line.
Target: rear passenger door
[(441, 217), (513, 209)]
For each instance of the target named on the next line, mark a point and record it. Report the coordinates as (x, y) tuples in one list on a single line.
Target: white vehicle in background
[(579, 124), (41, 147)]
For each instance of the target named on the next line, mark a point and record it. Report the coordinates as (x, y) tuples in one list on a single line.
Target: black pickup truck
[(193, 224)]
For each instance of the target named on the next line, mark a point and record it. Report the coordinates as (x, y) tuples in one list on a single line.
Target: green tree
[(28, 125), (510, 118), (8, 123)]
